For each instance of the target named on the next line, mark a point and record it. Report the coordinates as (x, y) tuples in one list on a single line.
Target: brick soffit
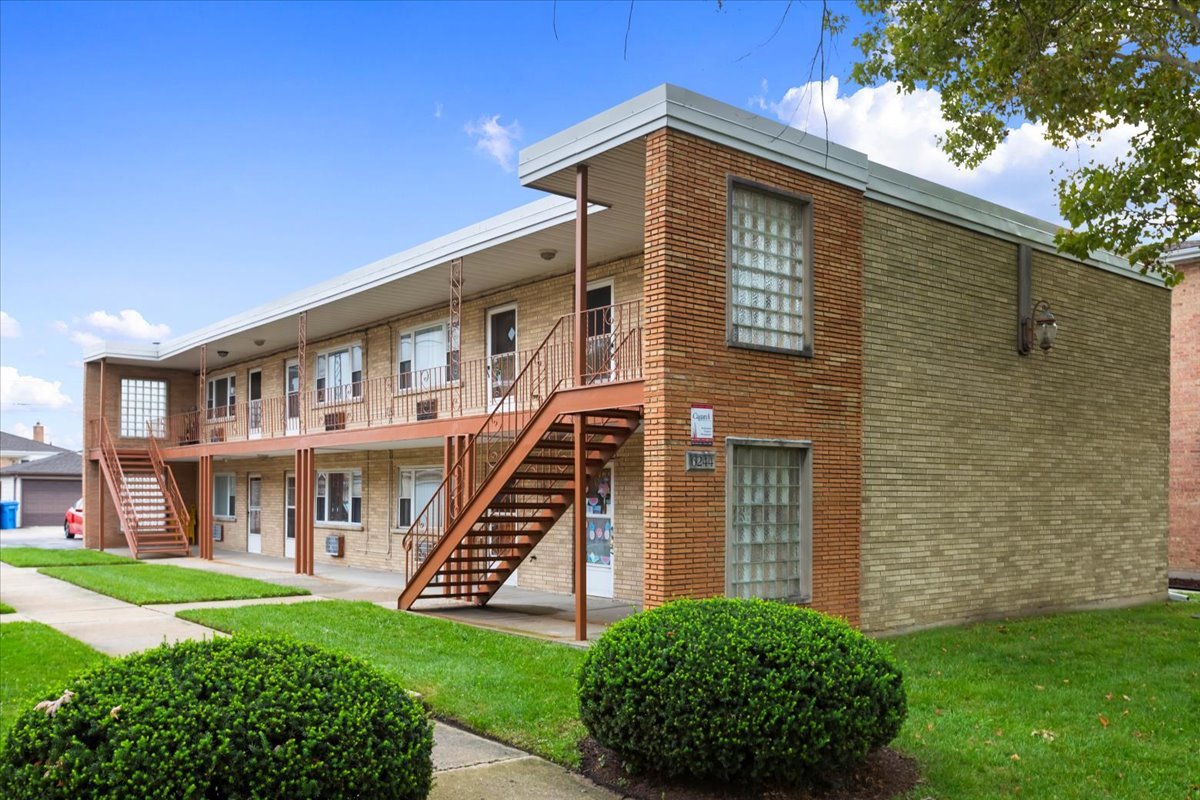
[(669, 106)]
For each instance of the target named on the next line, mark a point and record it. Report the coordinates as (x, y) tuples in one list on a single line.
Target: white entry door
[(600, 521), (502, 356), (289, 516), (291, 390), (254, 515)]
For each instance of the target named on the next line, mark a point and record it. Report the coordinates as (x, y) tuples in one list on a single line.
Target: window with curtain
[(425, 358), (222, 397), (769, 270), (339, 497), (414, 489), (224, 496), (340, 374)]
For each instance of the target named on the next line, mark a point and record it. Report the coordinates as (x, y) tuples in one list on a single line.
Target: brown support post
[(454, 345), (202, 387), (581, 269), (103, 489), (305, 484), (580, 528), (301, 357), (204, 508)]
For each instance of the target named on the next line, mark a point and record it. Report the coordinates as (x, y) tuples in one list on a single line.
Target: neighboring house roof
[(63, 465), (12, 445)]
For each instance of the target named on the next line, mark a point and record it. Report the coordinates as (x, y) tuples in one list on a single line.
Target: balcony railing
[(466, 388)]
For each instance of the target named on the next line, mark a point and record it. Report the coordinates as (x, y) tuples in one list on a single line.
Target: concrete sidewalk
[(466, 766)]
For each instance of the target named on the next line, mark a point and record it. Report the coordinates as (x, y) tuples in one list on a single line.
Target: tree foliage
[(1080, 68)]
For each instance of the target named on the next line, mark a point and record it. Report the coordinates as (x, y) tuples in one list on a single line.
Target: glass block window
[(225, 496), (142, 402), (768, 270), (339, 497), (769, 552)]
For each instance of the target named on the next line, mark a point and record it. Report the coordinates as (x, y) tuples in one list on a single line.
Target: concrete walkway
[(466, 766)]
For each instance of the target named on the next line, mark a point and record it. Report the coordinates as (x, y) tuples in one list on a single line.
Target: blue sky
[(183, 162)]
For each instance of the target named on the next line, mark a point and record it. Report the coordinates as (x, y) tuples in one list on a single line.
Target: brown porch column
[(99, 501), (204, 500), (581, 269), (305, 510), (580, 528)]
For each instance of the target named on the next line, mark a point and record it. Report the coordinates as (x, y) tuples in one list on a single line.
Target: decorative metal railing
[(613, 353), (166, 481), (114, 476)]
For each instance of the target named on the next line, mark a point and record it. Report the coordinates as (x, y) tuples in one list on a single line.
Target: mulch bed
[(884, 774)]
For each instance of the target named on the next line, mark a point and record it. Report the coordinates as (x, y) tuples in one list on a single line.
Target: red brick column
[(1184, 537)]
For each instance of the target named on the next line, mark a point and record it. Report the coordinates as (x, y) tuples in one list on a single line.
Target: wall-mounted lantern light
[(1040, 328), (1035, 321)]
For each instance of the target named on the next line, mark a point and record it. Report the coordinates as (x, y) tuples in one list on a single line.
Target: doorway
[(254, 515), (502, 355), (291, 391), (600, 524), (256, 404), (601, 348), (289, 516)]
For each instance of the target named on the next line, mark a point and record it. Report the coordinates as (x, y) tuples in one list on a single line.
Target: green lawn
[(5, 608), (161, 583), (37, 557), (1091, 705), (37, 661), (513, 688)]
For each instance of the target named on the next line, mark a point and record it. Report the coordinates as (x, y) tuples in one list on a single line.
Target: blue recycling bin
[(8, 515)]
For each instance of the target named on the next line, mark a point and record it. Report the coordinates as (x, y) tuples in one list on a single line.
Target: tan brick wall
[(1184, 549), (754, 393), (995, 483), (549, 566), (375, 543)]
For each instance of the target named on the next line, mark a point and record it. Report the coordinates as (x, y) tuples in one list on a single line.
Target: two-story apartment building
[(754, 362)]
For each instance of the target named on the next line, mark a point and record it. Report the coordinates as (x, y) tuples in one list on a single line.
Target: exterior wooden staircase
[(515, 477), (149, 505)]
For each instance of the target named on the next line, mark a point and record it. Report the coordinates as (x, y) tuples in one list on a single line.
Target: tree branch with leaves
[(1079, 68)]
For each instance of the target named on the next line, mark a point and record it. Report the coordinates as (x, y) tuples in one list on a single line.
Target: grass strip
[(1088, 705), (39, 557), (162, 583), (38, 663), (513, 688)]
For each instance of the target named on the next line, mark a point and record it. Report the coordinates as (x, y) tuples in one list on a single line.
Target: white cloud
[(51, 434), (61, 326), (9, 327), (86, 340), (902, 131), (437, 110), (127, 324), (495, 140), (19, 391)]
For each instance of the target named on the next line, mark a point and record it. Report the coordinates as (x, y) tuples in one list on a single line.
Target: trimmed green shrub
[(239, 717), (739, 690)]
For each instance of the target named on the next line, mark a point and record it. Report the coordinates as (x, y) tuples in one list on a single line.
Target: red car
[(73, 523)]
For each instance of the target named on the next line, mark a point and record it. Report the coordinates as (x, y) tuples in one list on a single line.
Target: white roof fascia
[(925, 197), (677, 108), (530, 218), (1184, 252)]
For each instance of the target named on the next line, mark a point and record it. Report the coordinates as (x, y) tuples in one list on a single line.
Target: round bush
[(739, 690), (237, 717)]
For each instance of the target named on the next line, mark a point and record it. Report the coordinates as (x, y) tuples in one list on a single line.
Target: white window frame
[(338, 394), (210, 398), (354, 476), (228, 510), (805, 497), (451, 365), (805, 204), (408, 493), (135, 410)]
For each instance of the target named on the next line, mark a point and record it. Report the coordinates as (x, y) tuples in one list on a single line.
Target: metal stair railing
[(117, 486), (170, 489)]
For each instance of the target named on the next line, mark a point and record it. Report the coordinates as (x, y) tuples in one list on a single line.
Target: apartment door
[(256, 405), (289, 516), (291, 390), (254, 515), (501, 352), (600, 522), (600, 345)]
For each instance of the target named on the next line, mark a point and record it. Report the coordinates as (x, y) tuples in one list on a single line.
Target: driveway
[(50, 537)]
